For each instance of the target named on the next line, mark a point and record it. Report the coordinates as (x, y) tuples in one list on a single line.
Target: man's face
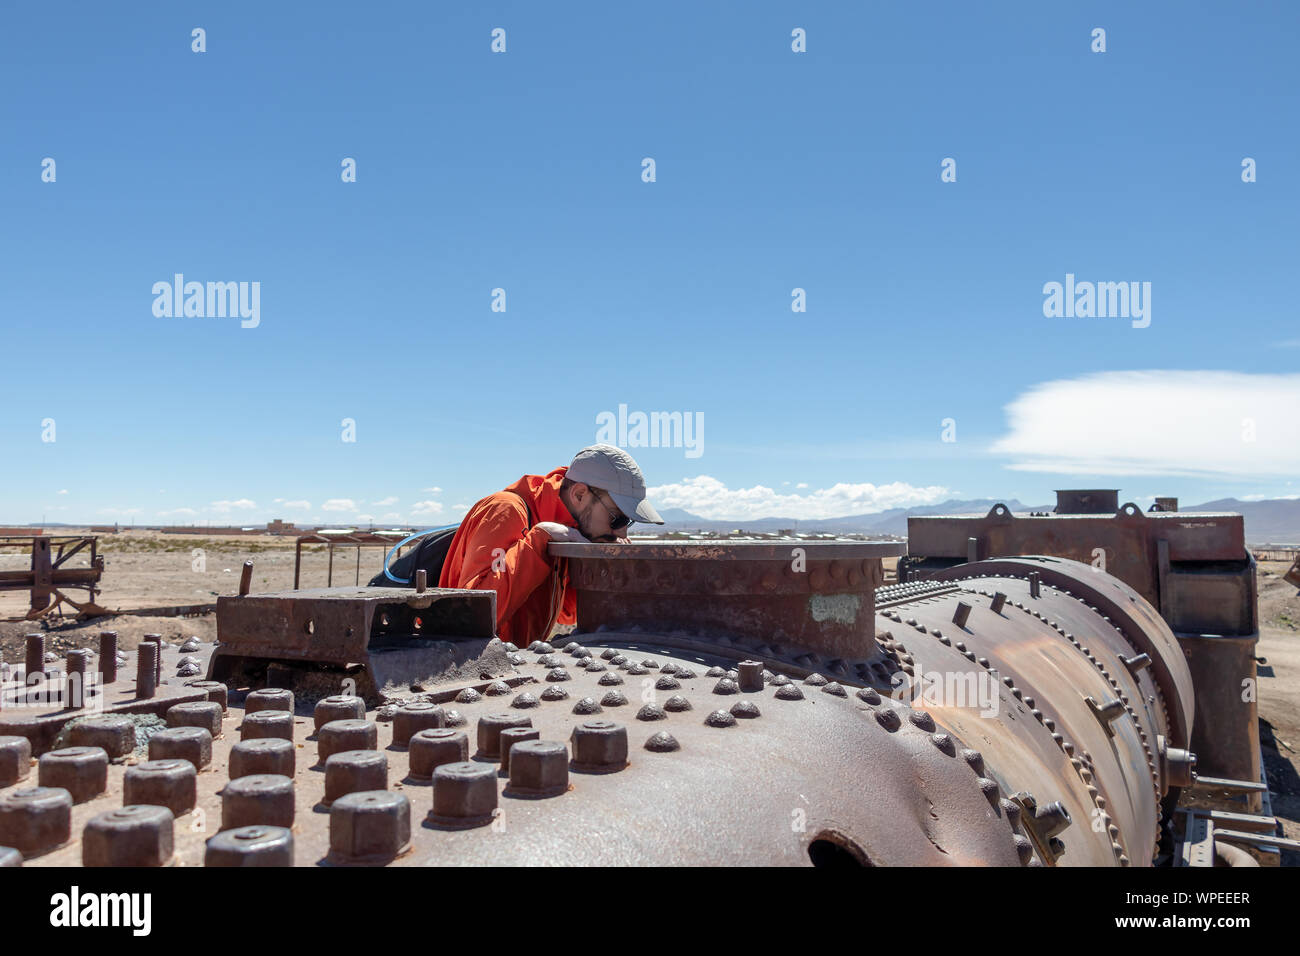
[(596, 514)]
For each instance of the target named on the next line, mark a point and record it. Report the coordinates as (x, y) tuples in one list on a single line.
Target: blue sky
[(522, 171)]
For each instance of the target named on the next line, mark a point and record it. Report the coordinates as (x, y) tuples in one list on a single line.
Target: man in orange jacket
[(502, 543)]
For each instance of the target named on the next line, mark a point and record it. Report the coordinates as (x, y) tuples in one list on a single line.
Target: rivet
[(614, 698), (587, 705), (470, 696), (525, 701), (720, 718), (989, 788), (744, 709), (726, 686), (610, 679), (868, 695), (815, 680), (662, 742), (921, 719), (668, 682), (555, 693), (975, 759), (651, 712), (497, 688), (789, 692), (889, 719), (944, 743), (558, 674)]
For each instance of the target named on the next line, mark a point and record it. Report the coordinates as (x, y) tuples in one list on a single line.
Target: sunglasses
[(616, 518)]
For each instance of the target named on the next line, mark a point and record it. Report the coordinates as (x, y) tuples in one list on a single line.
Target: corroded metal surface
[(816, 594), (388, 637), (1193, 568)]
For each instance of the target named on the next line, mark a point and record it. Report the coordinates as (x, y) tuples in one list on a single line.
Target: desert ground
[(144, 569)]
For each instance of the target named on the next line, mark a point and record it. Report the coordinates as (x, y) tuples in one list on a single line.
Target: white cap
[(613, 470)]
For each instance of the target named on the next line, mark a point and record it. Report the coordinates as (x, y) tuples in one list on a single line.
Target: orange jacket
[(497, 548)]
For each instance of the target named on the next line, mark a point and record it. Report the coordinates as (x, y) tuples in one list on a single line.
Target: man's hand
[(560, 532)]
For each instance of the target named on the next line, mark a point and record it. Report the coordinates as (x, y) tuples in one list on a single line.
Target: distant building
[(280, 527)]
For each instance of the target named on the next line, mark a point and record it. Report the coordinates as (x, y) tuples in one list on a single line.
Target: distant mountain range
[(1273, 521)]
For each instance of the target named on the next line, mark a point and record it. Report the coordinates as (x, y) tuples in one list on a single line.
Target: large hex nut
[(539, 768), (116, 734), (489, 731), (273, 755), (340, 735), (430, 749), (15, 760), (599, 746), (216, 691), (414, 717), (269, 698), (263, 798), (163, 783), (464, 794), (370, 826), (267, 723), (339, 707), (182, 743), (511, 736), (82, 771), (354, 771), (203, 714), (35, 819), (250, 846), (131, 836)]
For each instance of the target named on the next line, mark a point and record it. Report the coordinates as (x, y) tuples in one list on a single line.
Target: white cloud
[(427, 508), (432, 491), (802, 484), (710, 498), (225, 507), (63, 492), (384, 502), (178, 511), (276, 501), (1270, 497), (365, 517), (119, 511), (391, 516), (339, 504), (296, 505), (1189, 423)]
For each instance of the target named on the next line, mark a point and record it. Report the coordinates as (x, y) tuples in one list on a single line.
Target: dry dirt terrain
[(149, 569)]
